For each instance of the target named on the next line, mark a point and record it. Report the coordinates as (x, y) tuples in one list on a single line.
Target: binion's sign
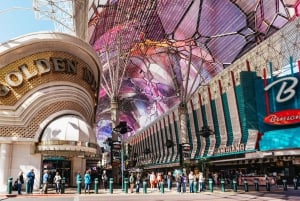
[(285, 93)]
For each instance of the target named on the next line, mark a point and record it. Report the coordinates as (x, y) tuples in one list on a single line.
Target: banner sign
[(285, 117)]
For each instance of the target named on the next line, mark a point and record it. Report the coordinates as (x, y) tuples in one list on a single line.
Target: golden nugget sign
[(15, 78)]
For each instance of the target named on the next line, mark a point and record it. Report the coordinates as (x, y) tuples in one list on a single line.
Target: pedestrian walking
[(45, 182)]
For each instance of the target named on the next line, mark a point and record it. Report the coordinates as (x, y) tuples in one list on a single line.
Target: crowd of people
[(191, 181)]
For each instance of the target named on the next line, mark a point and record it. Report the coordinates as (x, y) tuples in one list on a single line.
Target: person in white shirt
[(57, 181), (191, 181)]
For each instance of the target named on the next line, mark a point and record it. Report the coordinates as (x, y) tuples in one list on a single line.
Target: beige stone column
[(5, 165)]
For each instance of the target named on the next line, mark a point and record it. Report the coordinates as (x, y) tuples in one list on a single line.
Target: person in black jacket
[(20, 181)]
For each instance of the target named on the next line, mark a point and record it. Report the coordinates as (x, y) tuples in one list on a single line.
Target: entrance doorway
[(58, 164)]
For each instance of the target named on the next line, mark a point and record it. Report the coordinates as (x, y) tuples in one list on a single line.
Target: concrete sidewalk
[(71, 191)]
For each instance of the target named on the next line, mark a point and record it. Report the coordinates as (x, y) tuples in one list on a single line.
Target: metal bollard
[(295, 181), (162, 187), (126, 185), (246, 186), (144, 187), (9, 185), (267, 184), (27, 187), (111, 182), (234, 185), (96, 186), (222, 185), (211, 185), (284, 181), (256, 185), (79, 186), (195, 187), (63, 183)]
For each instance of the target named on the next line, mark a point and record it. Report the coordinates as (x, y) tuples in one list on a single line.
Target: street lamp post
[(122, 129)]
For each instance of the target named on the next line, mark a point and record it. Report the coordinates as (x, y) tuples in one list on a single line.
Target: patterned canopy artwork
[(156, 53)]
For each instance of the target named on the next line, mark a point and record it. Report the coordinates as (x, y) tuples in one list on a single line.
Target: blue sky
[(17, 18)]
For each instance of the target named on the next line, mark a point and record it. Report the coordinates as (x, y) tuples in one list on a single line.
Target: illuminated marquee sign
[(285, 93), (228, 149), (42, 67), (285, 117)]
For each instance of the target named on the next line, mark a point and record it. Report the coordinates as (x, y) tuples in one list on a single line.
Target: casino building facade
[(245, 117), (252, 111), (48, 94)]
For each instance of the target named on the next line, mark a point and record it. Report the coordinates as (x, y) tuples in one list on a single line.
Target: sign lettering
[(285, 92), (228, 149), (285, 117), (16, 78)]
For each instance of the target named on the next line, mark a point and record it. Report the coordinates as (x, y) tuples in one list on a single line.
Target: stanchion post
[(222, 185), (211, 185), (9, 185), (162, 187), (234, 185), (145, 187), (79, 186), (126, 185), (111, 182), (27, 187), (246, 185), (195, 187), (284, 182), (96, 185), (63, 183)]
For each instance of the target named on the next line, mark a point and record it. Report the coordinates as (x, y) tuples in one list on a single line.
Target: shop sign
[(42, 67), (287, 91), (228, 149), (285, 117)]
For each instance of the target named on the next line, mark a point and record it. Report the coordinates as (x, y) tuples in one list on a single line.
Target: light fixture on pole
[(122, 129)]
